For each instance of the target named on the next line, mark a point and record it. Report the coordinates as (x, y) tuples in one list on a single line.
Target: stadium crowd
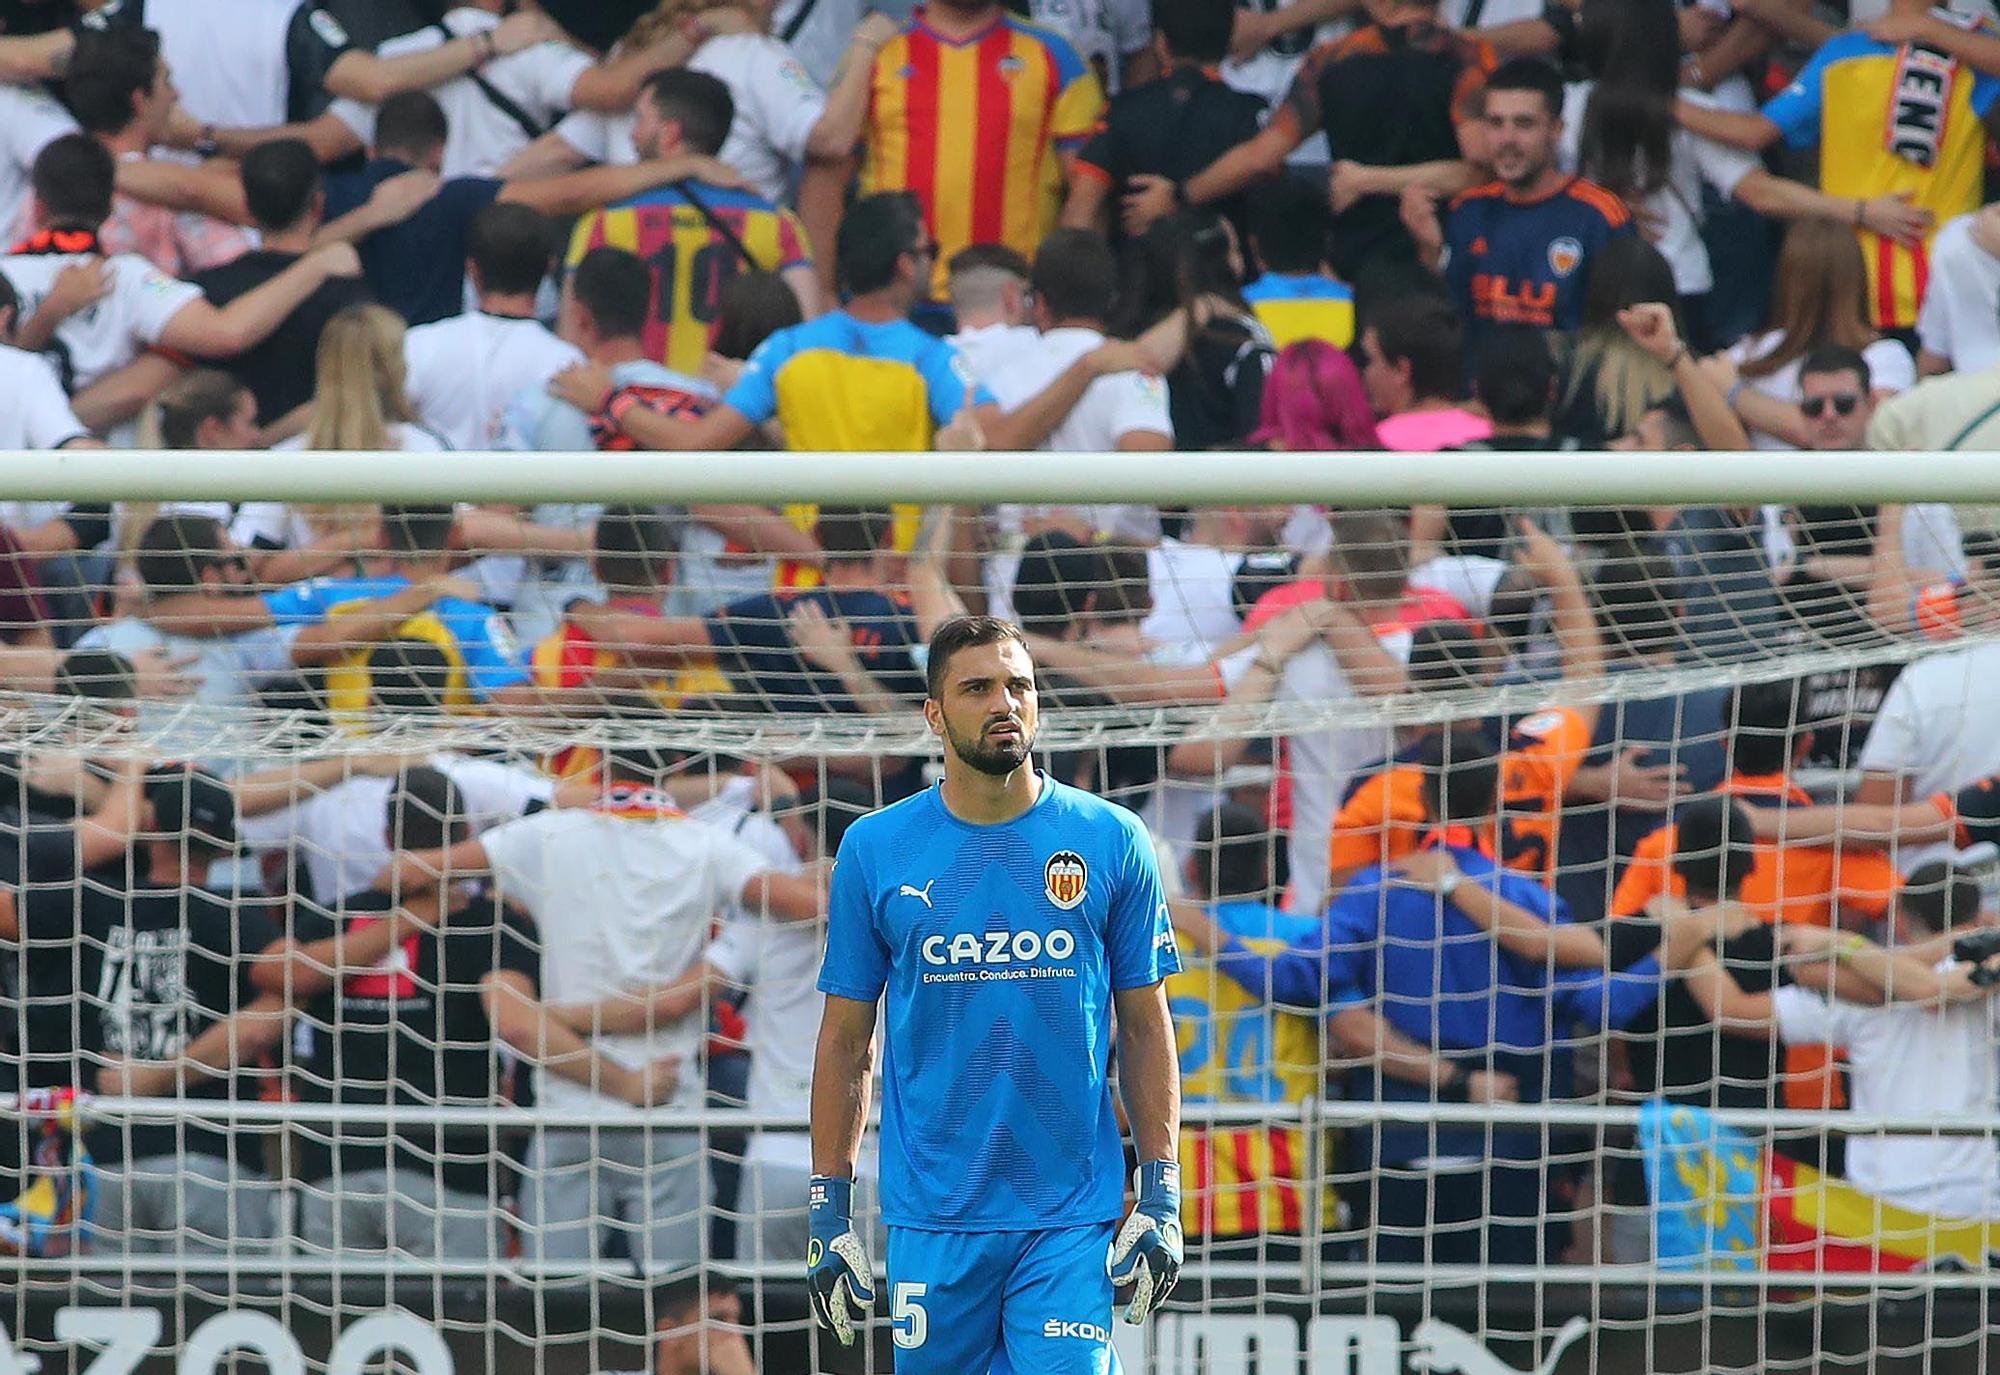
[(1093, 226)]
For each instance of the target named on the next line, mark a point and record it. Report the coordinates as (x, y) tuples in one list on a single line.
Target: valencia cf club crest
[(1067, 878), (1565, 254)]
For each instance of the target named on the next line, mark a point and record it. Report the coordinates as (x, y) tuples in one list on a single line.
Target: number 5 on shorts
[(909, 1324)]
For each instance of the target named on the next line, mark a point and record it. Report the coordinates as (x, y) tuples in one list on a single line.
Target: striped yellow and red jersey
[(975, 128), (1891, 118), (690, 259), (1237, 1048)]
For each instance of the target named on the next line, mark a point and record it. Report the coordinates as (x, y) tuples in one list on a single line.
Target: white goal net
[(409, 916)]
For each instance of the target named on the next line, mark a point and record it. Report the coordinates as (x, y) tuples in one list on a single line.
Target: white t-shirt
[(342, 834), (1861, 12), (1677, 204), (465, 371), (777, 960), (625, 903), (989, 350), (1466, 578), (1020, 365), (1194, 596), (1268, 72), (228, 57), (1112, 407), (1938, 730), (29, 122), (226, 670), (112, 331), (411, 439), (1890, 369), (820, 31), (777, 104), (1104, 32), (1322, 762), (1960, 319), (1455, 14), (1912, 1060), (36, 414), (482, 137)]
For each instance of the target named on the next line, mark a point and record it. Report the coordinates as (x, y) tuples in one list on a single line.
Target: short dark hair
[(1763, 720), (989, 257), (686, 1295), (1076, 275), (1461, 776), (874, 235), (753, 306), (279, 179), (408, 677), (1529, 74), (1445, 655), (411, 122), (635, 547), (616, 287), (1516, 376), (961, 633), (1425, 331), (106, 70), (512, 247), (176, 550), (1054, 579), (1714, 847), (73, 178), (1634, 595), (418, 529), (97, 675), (425, 811), (1839, 358), (852, 534), (1195, 30), (1940, 896), (699, 103), (1291, 227), (1232, 853)]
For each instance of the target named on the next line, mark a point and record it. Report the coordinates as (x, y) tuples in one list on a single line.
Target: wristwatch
[(1448, 885)]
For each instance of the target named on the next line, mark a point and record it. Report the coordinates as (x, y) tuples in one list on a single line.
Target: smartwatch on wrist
[(1454, 1090)]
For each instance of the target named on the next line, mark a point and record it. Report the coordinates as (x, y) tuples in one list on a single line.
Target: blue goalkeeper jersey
[(1000, 948)]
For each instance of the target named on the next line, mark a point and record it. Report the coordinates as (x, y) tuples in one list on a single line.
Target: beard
[(995, 758)]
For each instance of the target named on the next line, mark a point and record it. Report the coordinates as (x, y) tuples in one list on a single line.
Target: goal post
[(1700, 738)]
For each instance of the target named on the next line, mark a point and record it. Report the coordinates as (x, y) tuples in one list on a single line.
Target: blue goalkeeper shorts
[(967, 1303)]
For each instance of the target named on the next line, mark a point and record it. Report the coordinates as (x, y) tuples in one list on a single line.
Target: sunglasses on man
[(1843, 404)]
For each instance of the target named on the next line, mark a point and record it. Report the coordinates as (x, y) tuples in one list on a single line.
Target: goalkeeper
[(1005, 914)]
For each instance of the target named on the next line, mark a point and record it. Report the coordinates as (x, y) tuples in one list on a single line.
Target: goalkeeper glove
[(837, 1269), (1147, 1250)]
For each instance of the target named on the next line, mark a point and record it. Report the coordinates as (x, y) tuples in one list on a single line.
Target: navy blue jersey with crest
[(1000, 948), (1516, 262)]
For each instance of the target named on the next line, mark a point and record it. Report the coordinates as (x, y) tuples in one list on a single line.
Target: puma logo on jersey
[(922, 894)]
